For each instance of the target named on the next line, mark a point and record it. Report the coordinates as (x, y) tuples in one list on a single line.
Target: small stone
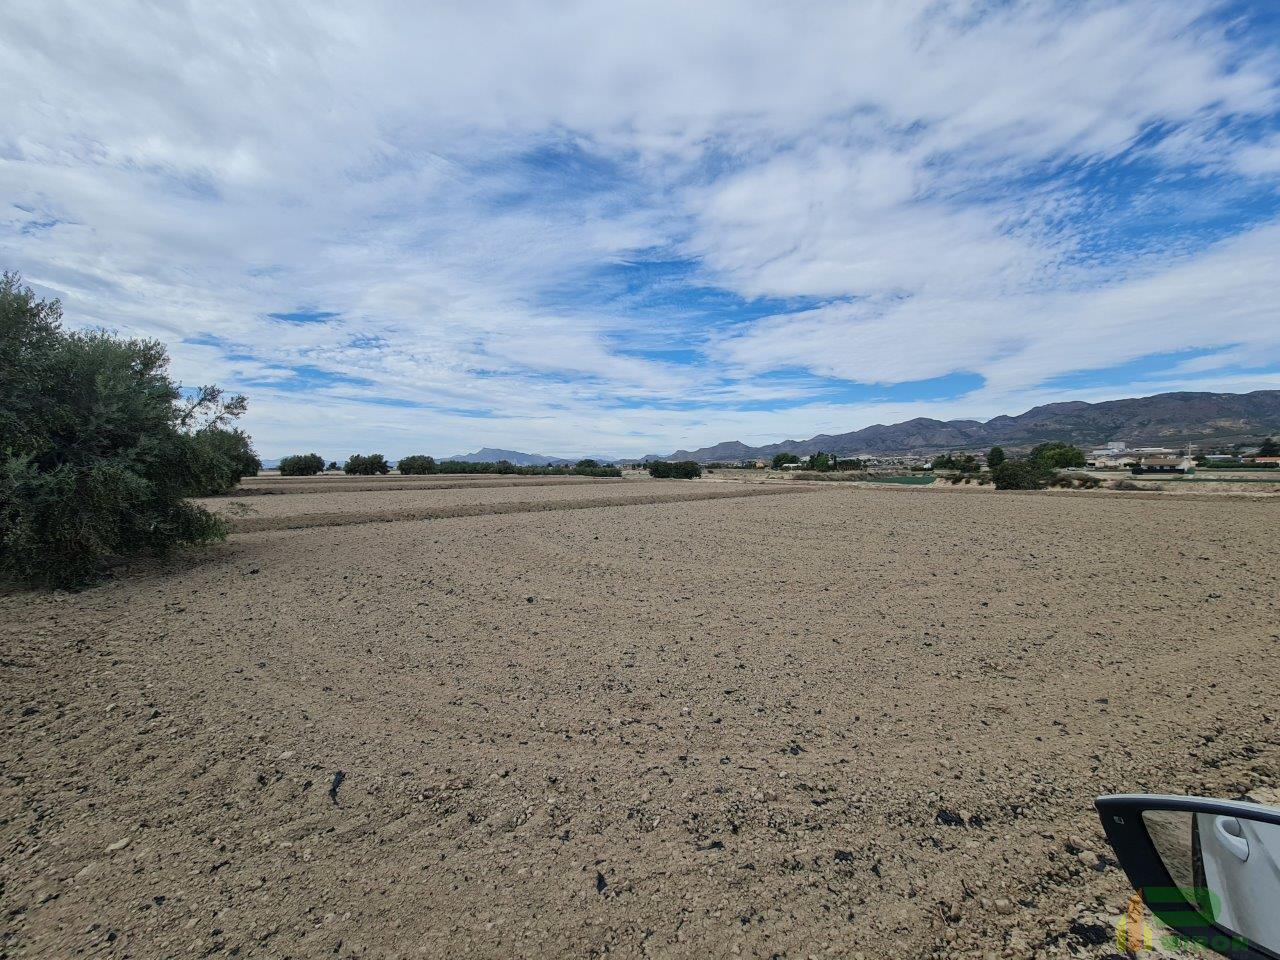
[(1003, 907), (119, 844)]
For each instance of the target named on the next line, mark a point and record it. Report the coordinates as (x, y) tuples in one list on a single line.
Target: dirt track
[(847, 721)]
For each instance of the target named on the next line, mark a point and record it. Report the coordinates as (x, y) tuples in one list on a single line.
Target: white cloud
[(184, 171), (1219, 299)]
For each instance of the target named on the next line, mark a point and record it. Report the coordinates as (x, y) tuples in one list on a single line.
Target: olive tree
[(100, 449)]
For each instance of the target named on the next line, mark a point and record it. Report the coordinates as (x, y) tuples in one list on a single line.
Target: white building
[(1115, 448)]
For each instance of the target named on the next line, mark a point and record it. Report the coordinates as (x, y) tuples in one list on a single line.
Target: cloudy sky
[(622, 228)]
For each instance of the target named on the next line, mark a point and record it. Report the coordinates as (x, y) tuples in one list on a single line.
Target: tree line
[(372, 464)]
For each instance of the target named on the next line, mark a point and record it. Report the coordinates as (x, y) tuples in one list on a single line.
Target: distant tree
[(963, 462), (417, 464), (301, 465), (1057, 455), (366, 465), (1269, 448), (679, 470), (1022, 475), (822, 461), (333, 465), (587, 464), (995, 457), (780, 460), (99, 448)]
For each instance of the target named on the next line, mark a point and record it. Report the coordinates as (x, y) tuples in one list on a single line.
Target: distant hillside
[(1164, 418), (492, 455)]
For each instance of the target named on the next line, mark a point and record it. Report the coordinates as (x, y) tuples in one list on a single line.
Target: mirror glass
[(1228, 867)]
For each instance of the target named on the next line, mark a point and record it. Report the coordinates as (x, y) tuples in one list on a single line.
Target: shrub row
[(309, 464), (677, 470), (584, 468)]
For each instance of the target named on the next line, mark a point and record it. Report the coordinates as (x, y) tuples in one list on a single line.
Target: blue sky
[(633, 227)]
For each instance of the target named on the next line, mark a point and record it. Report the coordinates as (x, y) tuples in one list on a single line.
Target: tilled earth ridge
[(849, 722), (332, 509)]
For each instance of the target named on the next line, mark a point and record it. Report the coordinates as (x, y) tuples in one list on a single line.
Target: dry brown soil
[(305, 508), (829, 722)]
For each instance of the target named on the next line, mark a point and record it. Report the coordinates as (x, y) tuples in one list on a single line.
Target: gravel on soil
[(850, 722)]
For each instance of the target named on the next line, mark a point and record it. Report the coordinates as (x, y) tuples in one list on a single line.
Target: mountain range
[(492, 455), (1164, 418)]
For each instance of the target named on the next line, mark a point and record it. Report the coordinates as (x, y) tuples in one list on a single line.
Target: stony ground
[(836, 722)]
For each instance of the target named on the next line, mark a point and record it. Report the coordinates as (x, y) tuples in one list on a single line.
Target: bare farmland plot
[(850, 719)]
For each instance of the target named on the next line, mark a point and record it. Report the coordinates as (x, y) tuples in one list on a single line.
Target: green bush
[(231, 457), (780, 460), (1057, 456), (822, 461), (366, 465), (679, 470), (417, 464), (301, 465), (995, 457), (99, 449), (1021, 475), (963, 462)]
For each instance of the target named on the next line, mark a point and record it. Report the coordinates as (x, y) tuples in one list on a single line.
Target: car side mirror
[(1209, 869)]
